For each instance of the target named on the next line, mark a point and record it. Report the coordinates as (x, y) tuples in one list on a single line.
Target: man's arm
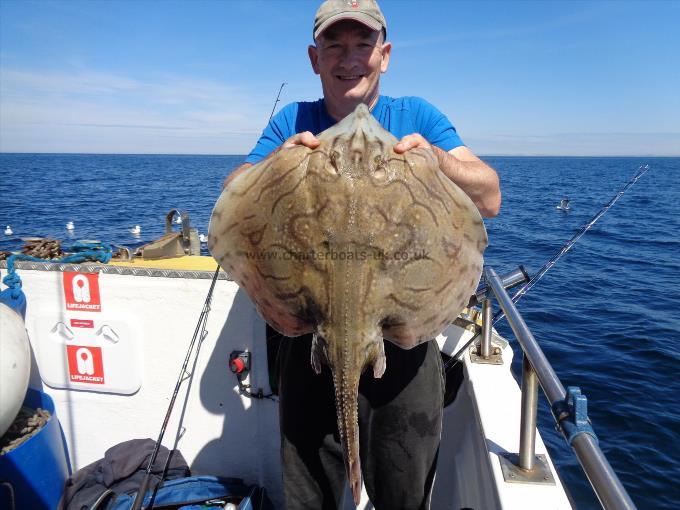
[(477, 179), (305, 138)]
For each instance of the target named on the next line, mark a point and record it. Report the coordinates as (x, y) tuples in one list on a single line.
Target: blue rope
[(14, 297)]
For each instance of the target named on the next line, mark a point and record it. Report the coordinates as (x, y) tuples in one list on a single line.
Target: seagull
[(70, 226), (564, 204), (136, 230), (9, 231), (203, 238)]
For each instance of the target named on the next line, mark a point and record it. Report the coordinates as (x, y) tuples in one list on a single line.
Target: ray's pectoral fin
[(379, 360), (318, 353)]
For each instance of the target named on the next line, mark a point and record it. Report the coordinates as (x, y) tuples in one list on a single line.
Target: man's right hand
[(305, 138)]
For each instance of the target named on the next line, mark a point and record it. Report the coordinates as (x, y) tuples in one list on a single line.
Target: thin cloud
[(91, 108)]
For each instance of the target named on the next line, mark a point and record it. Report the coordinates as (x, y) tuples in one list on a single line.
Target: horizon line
[(504, 155)]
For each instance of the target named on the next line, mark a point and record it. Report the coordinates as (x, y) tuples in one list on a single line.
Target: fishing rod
[(567, 246), (202, 320), (276, 102), (200, 328), (553, 260)]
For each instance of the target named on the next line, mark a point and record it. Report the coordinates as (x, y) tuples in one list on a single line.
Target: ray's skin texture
[(355, 243)]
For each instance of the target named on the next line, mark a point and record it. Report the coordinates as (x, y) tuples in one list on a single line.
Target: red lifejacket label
[(81, 292), (82, 323), (85, 364)]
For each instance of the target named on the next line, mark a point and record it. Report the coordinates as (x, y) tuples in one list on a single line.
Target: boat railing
[(569, 407)]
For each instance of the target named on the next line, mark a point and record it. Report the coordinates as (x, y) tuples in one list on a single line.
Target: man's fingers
[(305, 138), (309, 140), (411, 142)]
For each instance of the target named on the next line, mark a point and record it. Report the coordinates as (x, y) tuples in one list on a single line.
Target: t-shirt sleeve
[(434, 126), (279, 129)]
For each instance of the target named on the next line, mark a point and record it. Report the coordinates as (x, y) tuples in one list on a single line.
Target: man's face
[(349, 58)]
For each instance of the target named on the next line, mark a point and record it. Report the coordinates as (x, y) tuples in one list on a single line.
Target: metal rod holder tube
[(510, 280), (487, 326), (605, 482), (527, 437)]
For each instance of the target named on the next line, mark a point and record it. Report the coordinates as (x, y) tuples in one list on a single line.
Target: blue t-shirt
[(400, 116)]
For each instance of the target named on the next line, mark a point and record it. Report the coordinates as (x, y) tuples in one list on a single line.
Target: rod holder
[(487, 327), (527, 437), (508, 280)]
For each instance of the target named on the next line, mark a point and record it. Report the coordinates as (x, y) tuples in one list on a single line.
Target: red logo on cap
[(354, 4)]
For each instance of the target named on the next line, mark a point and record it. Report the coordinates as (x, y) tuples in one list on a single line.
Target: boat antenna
[(276, 102), (553, 260)]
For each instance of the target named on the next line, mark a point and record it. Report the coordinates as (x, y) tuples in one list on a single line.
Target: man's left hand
[(412, 141), (474, 177)]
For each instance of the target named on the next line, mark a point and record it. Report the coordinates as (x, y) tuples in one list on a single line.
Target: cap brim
[(361, 17)]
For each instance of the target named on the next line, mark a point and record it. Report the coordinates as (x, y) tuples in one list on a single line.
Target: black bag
[(122, 469)]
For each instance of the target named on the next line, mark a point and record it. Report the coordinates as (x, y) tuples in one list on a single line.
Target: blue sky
[(200, 77)]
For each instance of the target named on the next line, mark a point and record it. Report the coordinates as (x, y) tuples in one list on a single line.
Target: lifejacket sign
[(85, 364), (81, 291)]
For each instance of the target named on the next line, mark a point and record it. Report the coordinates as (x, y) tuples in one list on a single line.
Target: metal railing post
[(527, 437), (603, 479), (487, 326)]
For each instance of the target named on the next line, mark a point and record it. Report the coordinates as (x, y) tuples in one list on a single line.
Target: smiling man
[(399, 414)]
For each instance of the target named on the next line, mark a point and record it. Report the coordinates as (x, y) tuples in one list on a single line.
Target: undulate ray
[(354, 243)]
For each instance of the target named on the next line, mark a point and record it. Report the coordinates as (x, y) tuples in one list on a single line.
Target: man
[(399, 414)]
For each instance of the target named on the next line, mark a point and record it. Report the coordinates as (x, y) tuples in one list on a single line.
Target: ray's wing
[(251, 243), (446, 240)]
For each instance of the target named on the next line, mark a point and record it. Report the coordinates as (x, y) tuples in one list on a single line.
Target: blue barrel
[(37, 469)]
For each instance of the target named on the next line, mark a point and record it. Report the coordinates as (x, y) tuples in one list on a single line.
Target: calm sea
[(607, 315)]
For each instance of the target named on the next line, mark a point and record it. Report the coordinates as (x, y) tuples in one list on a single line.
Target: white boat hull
[(223, 433)]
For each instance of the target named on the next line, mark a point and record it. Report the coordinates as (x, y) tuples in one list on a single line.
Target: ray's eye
[(334, 156), (379, 169)]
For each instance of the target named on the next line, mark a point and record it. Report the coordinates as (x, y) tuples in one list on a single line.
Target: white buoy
[(9, 231), (178, 219), (70, 226), (136, 230), (15, 365), (203, 238)]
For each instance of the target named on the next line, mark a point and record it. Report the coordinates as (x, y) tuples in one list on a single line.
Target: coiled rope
[(14, 297)]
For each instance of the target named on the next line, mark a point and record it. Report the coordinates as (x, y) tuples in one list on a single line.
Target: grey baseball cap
[(364, 11)]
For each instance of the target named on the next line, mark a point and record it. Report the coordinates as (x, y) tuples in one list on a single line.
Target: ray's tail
[(346, 403)]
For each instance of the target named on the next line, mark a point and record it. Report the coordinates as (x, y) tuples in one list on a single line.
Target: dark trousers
[(400, 420)]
